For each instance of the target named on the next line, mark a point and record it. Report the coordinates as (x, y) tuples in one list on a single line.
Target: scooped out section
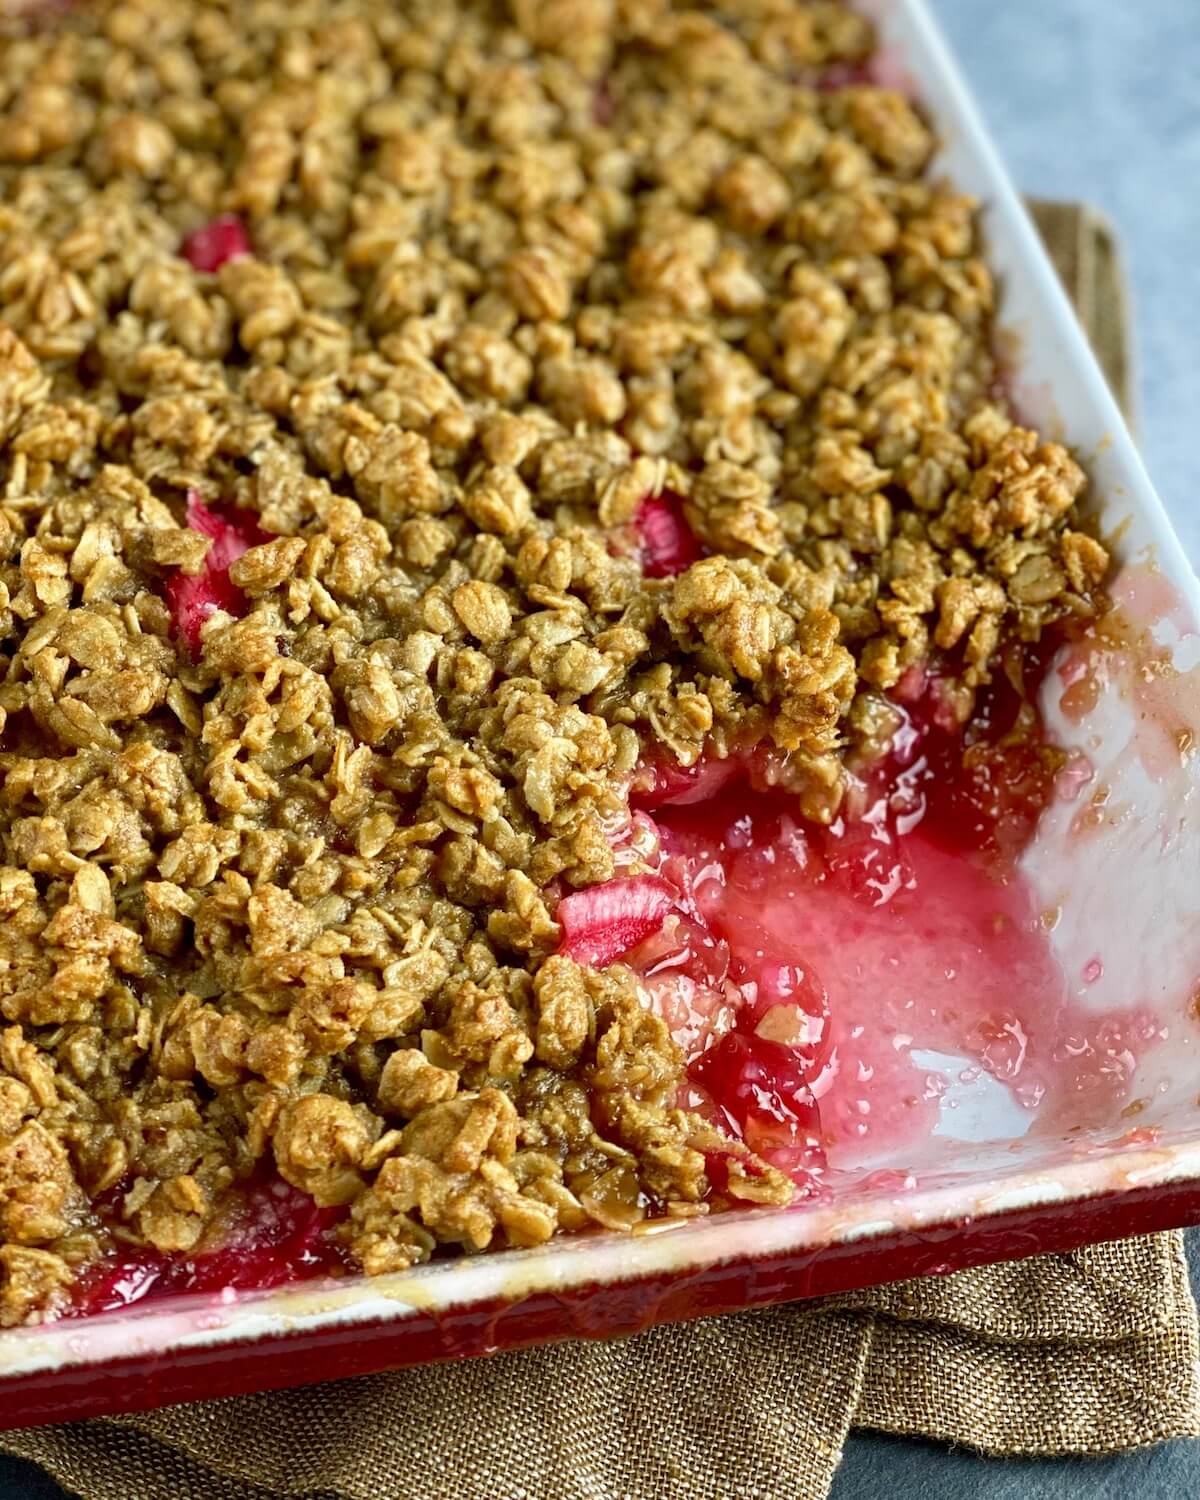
[(877, 991)]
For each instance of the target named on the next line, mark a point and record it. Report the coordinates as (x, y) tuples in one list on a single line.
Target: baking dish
[(1120, 882)]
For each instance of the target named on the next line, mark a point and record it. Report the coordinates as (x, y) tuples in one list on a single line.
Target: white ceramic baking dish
[(1128, 896)]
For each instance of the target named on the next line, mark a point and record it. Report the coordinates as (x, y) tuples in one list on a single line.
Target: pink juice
[(839, 991)]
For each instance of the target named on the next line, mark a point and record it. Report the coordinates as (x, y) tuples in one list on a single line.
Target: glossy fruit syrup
[(273, 1234), (847, 992)]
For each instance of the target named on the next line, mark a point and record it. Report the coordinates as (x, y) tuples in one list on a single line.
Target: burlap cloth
[(1083, 1354)]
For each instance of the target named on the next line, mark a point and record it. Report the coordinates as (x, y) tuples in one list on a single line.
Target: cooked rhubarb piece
[(37, 15), (210, 246), (194, 597), (762, 1089), (605, 921), (669, 545), (660, 782), (278, 1235), (603, 104), (843, 75), (978, 788)]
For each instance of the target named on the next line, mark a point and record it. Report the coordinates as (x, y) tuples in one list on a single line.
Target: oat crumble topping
[(343, 347)]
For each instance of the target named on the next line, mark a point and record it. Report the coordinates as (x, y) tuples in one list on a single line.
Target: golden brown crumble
[(515, 268)]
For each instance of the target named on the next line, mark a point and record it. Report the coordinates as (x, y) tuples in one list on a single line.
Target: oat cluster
[(288, 900)]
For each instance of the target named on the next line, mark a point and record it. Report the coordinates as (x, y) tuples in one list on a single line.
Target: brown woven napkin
[(1083, 1353)]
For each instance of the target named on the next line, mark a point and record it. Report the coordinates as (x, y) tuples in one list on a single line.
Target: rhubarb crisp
[(453, 455)]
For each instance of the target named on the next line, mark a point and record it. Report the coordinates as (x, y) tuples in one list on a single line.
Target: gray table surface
[(1092, 99)]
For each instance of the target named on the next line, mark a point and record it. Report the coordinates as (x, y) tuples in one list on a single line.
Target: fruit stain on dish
[(881, 989)]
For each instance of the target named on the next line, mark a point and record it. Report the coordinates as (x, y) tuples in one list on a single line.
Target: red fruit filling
[(194, 597), (210, 246), (760, 1087), (982, 789), (668, 543), (604, 106), (843, 75), (831, 985), (278, 1235), (36, 15)]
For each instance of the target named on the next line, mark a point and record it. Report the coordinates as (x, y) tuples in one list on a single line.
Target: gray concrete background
[(1093, 99)]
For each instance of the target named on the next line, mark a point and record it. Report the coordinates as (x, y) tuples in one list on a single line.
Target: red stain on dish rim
[(886, 68), (1143, 593), (1132, 655)]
